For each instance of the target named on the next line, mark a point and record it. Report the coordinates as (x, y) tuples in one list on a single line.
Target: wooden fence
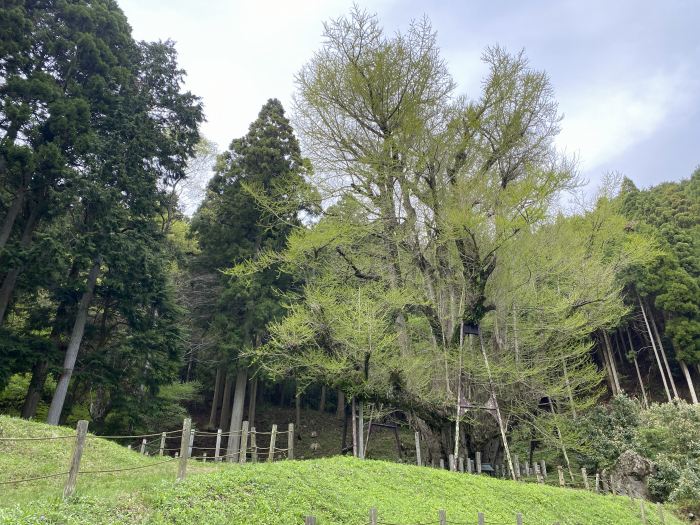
[(248, 445)]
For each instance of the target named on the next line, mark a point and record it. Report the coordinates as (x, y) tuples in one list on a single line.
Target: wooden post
[(128, 447), (273, 438), (662, 518), (372, 516), (143, 446), (516, 466), (451, 461), (584, 475), (189, 450), (419, 462), (478, 462), (253, 446), (361, 430), (612, 484), (519, 517), (204, 458), (543, 468), (177, 455), (480, 517), (80, 435), (560, 471), (310, 520), (597, 482), (442, 464), (243, 454), (461, 464), (290, 441), (538, 473), (442, 517), (217, 450), (184, 448), (162, 444), (643, 511), (470, 465)]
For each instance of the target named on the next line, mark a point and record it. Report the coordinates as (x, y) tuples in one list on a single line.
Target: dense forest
[(392, 250)]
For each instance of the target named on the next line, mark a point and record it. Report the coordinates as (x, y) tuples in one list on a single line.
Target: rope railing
[(45, 438), (48, 476)]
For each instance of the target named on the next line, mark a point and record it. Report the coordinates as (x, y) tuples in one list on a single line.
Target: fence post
[(242, 456), (189, 449), (204, 458), (584, 474), (372, 516), (612, 485), (184, 448), (290, 441), (128, 447), (527, 469), (643, 511), (451, 462), (661, 513), (162, 444), (478, 462), (470, 465), (253, 446), (597, 482), (419, 462), (80, 435), (480, 517), (143, 446), (461, 464), (560, 471), (442, 464), (518, 516), (273, 438), (442, 516), (516, 466), (217, 449), (543, 468), (310, 520), (538, 473)]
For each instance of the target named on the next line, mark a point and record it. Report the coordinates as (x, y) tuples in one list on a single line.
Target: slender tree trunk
[(76, 338), (340, 409), (360, 431), (608, 369), (344, 441), (10, 280), (36, 385), (12, 213), (689, 380), (611, 357), (234, 438), (226, 402), (653, 346), (354, 428), (215, 397), (663, 354), (252, 402), (561, 442), (322, 402), (636, 367), (297, 411)]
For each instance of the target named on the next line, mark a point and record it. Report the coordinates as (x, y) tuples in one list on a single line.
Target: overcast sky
[(626, 73)]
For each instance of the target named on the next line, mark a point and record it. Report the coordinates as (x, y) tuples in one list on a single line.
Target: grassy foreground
[(336, 490)]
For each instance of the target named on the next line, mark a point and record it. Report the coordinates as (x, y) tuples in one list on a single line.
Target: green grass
[(337, 490)]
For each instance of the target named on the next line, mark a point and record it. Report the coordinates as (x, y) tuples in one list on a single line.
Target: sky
[(626, 73)]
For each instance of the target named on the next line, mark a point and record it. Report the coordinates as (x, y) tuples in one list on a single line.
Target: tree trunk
[(663, 354), (340, 409), (226, 403), (8, 283), (561, 442), (608, 369), (361, 431), (73, 346), (234, 438), (252, 402), (354, 427), (689, 380), (611, 358), (344, 441), (322, 402), (36, 385), (297, 411), (653, 346), (636, 367), (215, 397), (12, 213)]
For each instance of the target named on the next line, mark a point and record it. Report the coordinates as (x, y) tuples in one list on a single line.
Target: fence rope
[(72, 436), (157, 434), (34, 479), (125, 469)]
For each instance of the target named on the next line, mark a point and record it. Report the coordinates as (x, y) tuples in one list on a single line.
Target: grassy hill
[(336, 490)]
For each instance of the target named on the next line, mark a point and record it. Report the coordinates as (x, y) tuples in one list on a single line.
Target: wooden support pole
[(217, 449), (204, 458), (543, 468), (128, 447), (470, 465), (142, 450), (461, 464), (162, 444), (273, 438), (480, 518), (184, 448), (538, 473), (310, 520), (189, 451), (584, 475), (597, 482), (290, 441), (372, 516), (253, 446), (478, 462), (80, 435), (560, 471), (442, 464), (419, 462), (243, 455), (442, 517), (516, 466)]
